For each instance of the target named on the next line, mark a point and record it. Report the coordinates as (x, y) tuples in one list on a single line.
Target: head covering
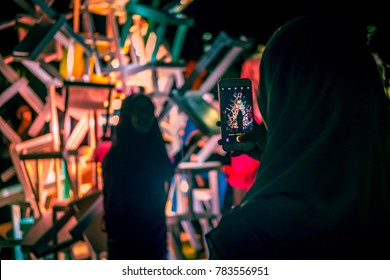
[(323, 189), (133, 148), (134, 104)]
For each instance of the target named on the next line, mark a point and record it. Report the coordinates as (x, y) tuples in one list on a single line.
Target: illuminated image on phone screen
[(237, 112)]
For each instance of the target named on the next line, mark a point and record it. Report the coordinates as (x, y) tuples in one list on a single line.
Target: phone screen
[(236, 104)]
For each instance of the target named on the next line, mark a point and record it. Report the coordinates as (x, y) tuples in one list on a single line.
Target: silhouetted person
[(240, 119), (323, 187), (135, 172)]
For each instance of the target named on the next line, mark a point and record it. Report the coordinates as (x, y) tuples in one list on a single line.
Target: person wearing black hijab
[(323, 187), (135, 172)]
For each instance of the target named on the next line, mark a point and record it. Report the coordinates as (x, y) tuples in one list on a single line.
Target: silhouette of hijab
[(134, 171), (133, 147), (323, 187)]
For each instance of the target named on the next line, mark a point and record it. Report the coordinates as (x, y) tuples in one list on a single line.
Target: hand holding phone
[(259, 136), (236, 113)]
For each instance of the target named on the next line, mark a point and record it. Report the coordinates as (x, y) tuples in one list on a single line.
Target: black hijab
[(135, 171), (322, 190), (132, 148)]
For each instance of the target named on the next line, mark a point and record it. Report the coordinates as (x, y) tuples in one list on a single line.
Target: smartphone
[(236, 112)]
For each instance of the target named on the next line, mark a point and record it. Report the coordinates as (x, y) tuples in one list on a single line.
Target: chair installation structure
[(76, 81)]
